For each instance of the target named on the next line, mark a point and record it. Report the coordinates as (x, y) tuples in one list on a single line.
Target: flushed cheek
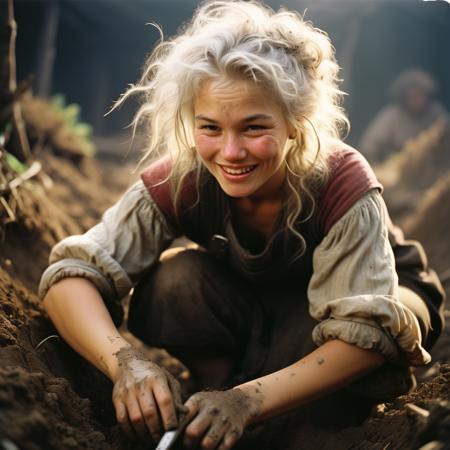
[(206, 147), (265, 148)]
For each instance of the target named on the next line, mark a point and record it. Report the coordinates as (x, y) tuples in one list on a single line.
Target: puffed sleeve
[(115, 253), (353, 291)]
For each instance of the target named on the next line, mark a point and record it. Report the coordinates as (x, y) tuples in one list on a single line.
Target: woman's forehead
[(234, 93)]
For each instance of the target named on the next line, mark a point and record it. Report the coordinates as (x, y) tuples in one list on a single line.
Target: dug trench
[(50, 398)]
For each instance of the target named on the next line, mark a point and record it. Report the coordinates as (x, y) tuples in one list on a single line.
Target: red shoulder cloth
[(350, 178), (155, 179)]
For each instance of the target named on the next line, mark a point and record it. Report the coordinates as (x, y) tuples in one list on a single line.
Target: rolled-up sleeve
[(115, 253), (353, 292)]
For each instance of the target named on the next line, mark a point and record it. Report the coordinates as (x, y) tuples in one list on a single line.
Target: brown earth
[(407, 174), (430, 224), (417, 192), (51, 399)]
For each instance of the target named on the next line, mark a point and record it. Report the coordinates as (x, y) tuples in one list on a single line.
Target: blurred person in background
[(413, 109)]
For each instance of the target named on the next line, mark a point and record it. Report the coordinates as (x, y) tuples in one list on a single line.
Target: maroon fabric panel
[(350, 178), (155, 180), (158, 186)]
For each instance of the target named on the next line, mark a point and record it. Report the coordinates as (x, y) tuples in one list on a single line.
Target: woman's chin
[(236, 191)]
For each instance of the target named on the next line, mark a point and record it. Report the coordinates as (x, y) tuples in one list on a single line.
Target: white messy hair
[(246, 39)]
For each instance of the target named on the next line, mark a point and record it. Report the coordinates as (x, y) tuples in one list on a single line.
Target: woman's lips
[(237, 172)]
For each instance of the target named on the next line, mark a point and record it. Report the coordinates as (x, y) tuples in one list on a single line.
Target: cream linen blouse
[(353, 291)]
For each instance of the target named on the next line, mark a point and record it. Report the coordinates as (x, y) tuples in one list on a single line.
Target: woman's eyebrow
[(207, 119), (257, 117), (246, 119)]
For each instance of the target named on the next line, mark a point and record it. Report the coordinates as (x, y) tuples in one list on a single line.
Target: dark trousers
[(195, 303)]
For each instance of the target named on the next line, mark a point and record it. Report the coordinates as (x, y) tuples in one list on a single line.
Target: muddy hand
[(218, 418), (146, 397)]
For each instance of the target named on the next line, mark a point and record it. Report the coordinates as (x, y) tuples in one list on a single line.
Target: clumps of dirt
[(39, 410), (393, 426), (44, 411), (399, 425)]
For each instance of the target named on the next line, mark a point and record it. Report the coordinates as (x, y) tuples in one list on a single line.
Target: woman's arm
[(223, 416), (79, 314), (143, 392), (333, 365)]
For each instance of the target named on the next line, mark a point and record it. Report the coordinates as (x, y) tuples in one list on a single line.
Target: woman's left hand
[(218, 418)]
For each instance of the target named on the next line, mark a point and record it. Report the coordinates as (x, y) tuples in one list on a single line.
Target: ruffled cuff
[(90, 260), (396, 328), (363, 335), (69, 268)]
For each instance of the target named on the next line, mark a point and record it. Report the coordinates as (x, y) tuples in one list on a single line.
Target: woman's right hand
[(146, 397)]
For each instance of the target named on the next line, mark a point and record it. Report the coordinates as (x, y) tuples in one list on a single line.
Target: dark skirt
[(196, 303)]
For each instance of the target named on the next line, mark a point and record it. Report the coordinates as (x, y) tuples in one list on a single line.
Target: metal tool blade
[(167, 440), (170, 438)]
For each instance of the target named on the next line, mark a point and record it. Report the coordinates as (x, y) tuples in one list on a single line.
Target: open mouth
[(238, 170)]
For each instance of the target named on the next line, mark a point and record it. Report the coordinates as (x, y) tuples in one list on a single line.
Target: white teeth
[(238, 171)]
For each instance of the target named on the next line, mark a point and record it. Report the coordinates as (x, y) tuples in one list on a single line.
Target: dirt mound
[(431, 225), (393, 426), (407, 174), (65, 199), (41, 397)]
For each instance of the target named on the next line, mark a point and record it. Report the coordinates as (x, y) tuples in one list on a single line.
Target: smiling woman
[(300, 284), (241, 138)]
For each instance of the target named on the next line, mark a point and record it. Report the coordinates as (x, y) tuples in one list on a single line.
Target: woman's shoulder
[(157, 179), (350, 177)]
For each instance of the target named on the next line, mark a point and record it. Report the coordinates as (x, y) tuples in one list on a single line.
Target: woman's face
[(240, 135)]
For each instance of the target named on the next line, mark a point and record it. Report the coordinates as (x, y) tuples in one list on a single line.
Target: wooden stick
[(31, 172), (8, 210)]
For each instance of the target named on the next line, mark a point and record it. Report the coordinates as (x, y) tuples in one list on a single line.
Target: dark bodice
[(209, 223)]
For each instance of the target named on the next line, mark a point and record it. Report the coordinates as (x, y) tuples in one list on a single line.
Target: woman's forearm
[(326, 369), (80, 316)]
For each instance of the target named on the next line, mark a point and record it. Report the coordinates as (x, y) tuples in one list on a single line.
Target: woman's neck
[(254, 221)]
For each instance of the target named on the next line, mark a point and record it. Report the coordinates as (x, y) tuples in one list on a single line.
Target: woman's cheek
[(266, 147), (205, 146)]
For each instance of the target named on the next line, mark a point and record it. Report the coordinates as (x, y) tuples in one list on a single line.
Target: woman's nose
[(233, 150)]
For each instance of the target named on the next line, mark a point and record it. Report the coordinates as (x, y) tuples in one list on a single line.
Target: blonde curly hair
[(278, 50)]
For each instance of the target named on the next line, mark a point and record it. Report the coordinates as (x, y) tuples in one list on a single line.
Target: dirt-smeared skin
[(220, 417), (147, 398)]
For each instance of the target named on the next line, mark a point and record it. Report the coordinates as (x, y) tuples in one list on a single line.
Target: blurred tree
[(9, 106), (47, 48)]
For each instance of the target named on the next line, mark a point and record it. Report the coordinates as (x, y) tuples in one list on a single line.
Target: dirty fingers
[(218, 418), (146, 397)]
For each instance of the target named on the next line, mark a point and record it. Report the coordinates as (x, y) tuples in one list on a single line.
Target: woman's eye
[(256, 128), (213, 128)]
